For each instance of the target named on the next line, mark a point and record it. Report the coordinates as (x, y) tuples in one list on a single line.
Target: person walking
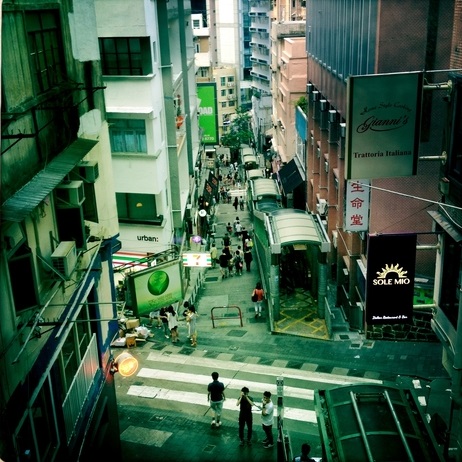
[(235, 203), (248, 258), (214, 255), (223, 260), (216, 396), (238, 263), (257, 296), (245, 403), (173, 323), (267, 414), (191, 319), (305, 454)]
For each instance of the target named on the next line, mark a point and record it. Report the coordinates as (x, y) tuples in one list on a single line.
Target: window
[(137, 208), (125, 56), (222, 81), (223, 92), (455, 149), (128, 135), (223, 104), (196, 23), (44, 39), (231, 104), (231, 79)]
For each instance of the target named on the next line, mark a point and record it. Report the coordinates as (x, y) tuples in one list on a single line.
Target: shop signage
[(154, 288), (357, 205), (197, 259), (208, 120), (390, 278), (383, 125)]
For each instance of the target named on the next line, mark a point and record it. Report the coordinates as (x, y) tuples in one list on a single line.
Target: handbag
[(254, 297)]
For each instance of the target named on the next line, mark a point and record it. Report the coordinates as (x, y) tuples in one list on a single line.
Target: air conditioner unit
[(231, 84), (87, 171), (231, 96), (321, 207), (64, 259), (70, 194)]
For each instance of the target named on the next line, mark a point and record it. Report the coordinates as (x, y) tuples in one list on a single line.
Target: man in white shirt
[(267, 414)]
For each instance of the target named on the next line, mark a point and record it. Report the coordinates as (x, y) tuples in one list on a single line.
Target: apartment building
[(260, 44), (151, 102), (59, 230)]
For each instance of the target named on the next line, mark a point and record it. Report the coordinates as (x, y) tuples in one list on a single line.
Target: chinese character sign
[(357, 205)]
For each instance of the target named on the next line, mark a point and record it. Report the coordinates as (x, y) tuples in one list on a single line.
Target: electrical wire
[(441, 204)]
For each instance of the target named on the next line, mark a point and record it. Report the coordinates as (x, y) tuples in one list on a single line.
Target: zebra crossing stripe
[(274, 371), (232, 385), (191, 398)]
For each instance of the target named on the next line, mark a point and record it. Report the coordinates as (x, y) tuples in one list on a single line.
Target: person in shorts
[(216, 396)]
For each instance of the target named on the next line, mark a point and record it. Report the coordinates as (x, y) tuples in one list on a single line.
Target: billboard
[(208, 119), (383, 125), (390, 278), (152, 289)]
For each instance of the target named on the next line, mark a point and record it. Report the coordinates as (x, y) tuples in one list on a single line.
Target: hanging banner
[(208, 118), (357, 205), (383, 125), (390, 278)]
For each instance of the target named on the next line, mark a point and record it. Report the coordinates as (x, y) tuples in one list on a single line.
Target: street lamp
[(125, 364)]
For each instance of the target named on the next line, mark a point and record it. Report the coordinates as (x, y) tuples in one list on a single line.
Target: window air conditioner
[(321, 206), (87, 171), (64, 259), (70, 194)]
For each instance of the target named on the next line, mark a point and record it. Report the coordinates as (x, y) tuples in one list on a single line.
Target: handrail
[(227, 307)]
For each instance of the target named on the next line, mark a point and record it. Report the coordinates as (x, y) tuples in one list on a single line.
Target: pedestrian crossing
[(183, 379)]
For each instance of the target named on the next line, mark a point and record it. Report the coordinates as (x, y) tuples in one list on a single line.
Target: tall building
[(288, 83), (260, 44), (59, 230), (151, 101), (422, 41)]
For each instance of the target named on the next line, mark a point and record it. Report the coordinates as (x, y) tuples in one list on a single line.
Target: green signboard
[(208, 120)]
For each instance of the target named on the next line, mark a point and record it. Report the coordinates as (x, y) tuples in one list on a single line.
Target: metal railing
[(229, 312)]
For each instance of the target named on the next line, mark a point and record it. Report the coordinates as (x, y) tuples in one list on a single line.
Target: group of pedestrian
[(216, 396), (167, 319)]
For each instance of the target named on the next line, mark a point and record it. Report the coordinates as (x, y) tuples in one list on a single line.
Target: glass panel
[(142, 206)]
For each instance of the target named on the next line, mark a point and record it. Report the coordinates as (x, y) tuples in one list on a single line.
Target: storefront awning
[(291, 175), (446, 225), (24, 201), (292, 226)]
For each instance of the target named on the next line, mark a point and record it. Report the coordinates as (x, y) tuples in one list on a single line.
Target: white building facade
[(147, 54)]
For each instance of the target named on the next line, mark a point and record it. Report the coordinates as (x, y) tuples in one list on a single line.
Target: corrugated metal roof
[(291, 226), (264, 187), (24, 201)]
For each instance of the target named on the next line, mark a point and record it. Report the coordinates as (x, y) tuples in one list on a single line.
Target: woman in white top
[(172, 318)]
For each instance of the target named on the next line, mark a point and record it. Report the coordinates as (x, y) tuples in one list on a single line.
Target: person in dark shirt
[(223, 261), (216, 396), (245, 403)]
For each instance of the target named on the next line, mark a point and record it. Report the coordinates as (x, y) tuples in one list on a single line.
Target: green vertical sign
[(208, 120)]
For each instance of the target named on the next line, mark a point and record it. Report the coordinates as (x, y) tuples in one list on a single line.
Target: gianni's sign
[(383, 124), (390, 278)]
